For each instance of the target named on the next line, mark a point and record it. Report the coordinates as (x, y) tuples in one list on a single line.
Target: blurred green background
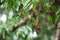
[(40, 24)]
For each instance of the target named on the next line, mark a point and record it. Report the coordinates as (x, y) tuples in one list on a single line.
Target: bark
[(58, 32)]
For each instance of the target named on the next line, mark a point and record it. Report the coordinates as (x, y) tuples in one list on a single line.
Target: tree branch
[(21, 23)]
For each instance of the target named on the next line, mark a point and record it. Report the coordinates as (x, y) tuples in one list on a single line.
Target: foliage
[(43, 13)]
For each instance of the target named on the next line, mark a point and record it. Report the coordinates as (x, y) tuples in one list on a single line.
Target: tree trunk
[(58, 32)]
